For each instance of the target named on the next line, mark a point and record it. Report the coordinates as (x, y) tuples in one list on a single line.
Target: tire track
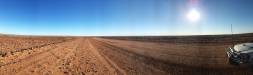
[(132, 64), (106, 60), (83, 61), (77, 57), (150, 66)]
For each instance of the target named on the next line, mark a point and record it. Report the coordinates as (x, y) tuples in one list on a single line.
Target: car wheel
[(244, 58), (232, 62)]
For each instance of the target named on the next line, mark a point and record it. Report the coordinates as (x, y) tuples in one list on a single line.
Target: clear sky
[(124, 17)]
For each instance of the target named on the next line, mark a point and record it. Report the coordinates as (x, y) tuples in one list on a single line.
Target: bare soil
[(192, 55)]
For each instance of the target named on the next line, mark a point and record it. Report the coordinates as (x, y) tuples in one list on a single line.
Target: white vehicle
[(241, 54)]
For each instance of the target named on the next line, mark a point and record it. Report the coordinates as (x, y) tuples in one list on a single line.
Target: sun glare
[(193, 15)]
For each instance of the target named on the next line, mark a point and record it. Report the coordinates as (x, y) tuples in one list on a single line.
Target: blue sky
[(124, 17)]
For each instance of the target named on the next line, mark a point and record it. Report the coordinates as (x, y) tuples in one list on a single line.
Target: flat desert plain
[(120, 55)]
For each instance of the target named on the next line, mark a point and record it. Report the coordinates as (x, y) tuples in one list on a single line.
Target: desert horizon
[(126, 37)]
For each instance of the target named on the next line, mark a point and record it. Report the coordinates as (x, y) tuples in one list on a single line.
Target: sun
[(193, 15)]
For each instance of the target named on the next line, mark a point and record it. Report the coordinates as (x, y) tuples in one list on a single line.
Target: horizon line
[(57, 35)]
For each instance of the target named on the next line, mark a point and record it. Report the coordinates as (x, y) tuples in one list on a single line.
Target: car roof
[(244, 47)]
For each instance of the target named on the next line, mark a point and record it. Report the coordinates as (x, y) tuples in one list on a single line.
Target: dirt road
[(72, 58), (96, 56)]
